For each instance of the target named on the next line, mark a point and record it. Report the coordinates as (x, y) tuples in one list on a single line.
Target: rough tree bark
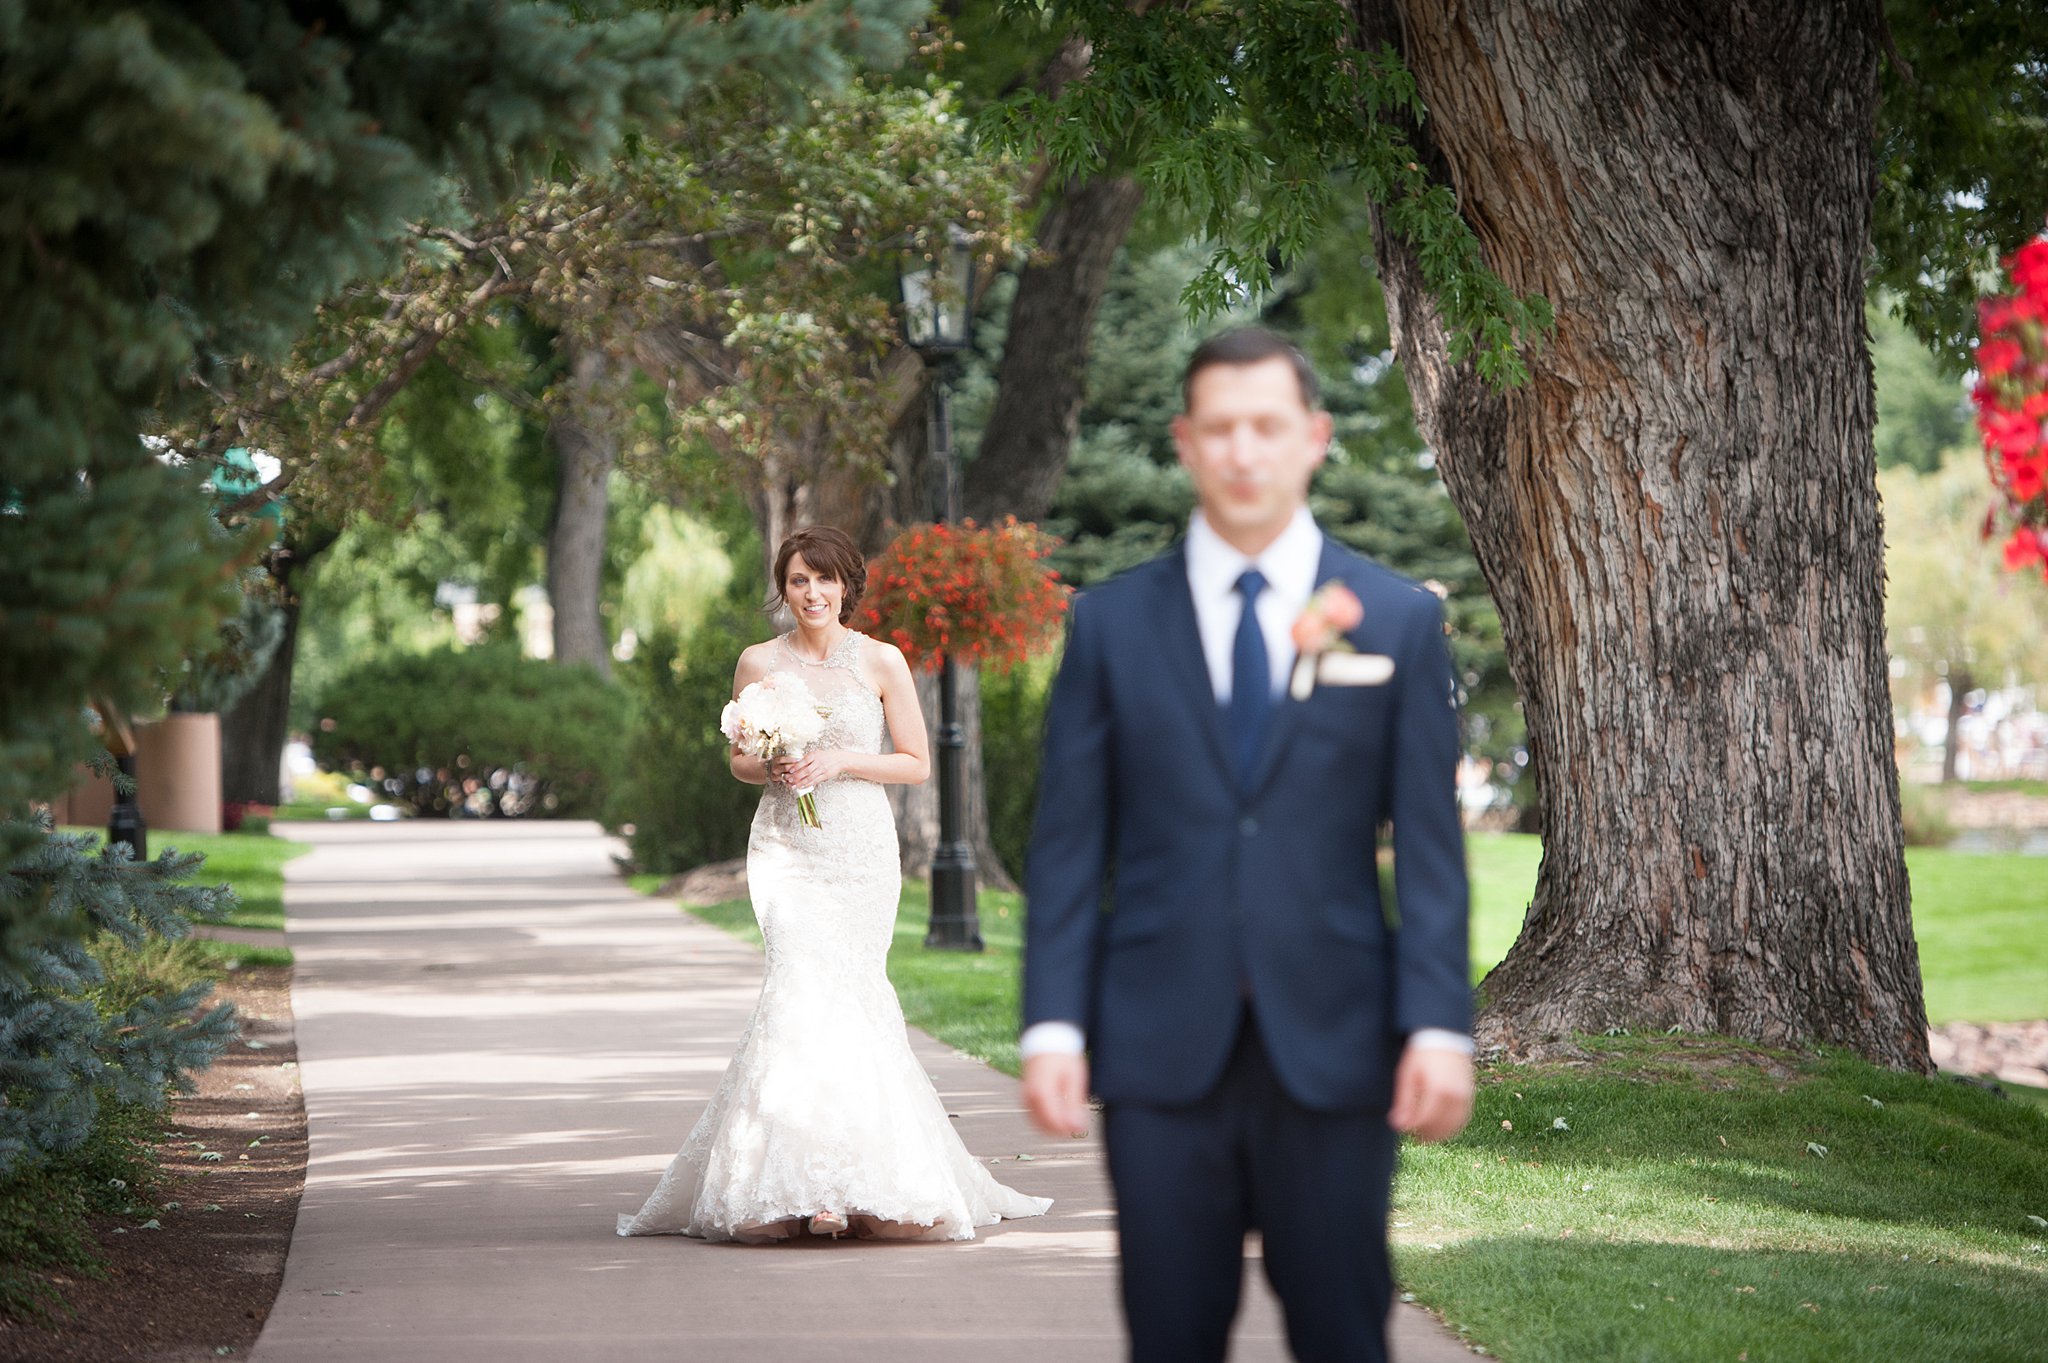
[(585, 448), (1044, 374), (1678, 517)]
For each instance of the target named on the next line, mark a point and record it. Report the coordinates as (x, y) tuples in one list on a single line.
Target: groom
[(1205, 915)]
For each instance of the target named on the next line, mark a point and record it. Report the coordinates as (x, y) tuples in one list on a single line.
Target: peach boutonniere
[(1331, 613)]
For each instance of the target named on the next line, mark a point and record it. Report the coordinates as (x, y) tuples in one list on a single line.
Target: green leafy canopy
[(1238, 117)]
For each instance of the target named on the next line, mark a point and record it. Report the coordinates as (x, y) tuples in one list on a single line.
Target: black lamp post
[(938, 314)]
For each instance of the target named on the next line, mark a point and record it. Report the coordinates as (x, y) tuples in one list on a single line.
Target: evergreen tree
[(186, 182), (61, 1051)]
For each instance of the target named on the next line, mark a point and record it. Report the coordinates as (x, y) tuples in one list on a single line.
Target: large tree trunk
[(586, 446), (1044, 374), (1678, 517)]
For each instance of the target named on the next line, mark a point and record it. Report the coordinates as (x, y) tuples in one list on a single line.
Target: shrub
[(676, 793), (45, 1204), (75, 1020), (476, 731), (99, 1022), (1012, 733)]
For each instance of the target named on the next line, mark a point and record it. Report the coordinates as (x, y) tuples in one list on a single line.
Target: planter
[(177, 775)]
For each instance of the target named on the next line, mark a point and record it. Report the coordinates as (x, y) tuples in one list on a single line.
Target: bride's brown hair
[(832, 555)]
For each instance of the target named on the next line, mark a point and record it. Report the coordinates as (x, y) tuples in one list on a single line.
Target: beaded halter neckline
[(837, 657)]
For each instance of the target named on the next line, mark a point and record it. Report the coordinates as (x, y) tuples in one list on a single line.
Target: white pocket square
[(1354, 669), (1339, 669)]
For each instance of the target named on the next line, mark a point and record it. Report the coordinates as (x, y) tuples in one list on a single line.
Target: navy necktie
[(1251, 679)]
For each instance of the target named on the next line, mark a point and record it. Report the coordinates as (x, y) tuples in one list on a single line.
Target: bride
[(825, 1120)]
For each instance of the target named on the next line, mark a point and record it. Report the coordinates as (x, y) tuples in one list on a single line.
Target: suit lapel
[(1186, 669), (1287, 716)]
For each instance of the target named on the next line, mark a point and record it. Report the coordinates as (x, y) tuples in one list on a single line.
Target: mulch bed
[(202, 1285)]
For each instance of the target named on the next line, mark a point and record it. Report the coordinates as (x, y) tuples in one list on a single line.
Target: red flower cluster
[(2012, 402), (983, 595)]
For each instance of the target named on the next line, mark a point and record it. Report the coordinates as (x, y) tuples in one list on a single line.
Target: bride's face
[(813, 598)]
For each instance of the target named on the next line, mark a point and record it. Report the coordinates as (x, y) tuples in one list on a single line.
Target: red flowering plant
[(982, 594), (2012, 402)]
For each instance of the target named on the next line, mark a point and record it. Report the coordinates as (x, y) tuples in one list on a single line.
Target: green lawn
[(1680, 1199), (2019, 787), (252, 864), (1684, 1209), (1981, 920)]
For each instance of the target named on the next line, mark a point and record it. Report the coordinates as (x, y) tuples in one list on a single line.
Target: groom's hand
[(1056, 1092), (1432, 1092)]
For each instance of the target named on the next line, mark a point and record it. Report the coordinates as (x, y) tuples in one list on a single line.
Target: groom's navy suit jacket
[(1166, 895)]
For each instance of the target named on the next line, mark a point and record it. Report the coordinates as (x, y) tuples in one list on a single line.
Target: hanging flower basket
[(2012, 404), (984, 595)]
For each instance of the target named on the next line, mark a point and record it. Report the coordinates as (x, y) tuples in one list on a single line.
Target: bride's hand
[(814, 769)]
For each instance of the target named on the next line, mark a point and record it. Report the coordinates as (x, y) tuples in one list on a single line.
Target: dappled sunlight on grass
[(1839, 1193)]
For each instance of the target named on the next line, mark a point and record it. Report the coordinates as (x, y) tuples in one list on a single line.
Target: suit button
[(1248, 826)]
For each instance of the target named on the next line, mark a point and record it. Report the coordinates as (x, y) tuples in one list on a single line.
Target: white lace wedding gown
[(824, 1108)]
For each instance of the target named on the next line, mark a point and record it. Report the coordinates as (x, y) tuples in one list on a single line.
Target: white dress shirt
[(1289, 566)]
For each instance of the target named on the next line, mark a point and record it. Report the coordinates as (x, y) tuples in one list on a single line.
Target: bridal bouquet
[(776, 717)]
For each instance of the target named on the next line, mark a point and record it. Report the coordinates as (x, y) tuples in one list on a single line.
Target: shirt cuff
[(1051, 1038), (1440, 1039)]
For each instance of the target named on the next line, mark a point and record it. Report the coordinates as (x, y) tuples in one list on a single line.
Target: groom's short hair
[(1250, 345)]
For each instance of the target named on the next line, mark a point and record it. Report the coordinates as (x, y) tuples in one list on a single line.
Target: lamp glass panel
[(959, 292), (920, 307)]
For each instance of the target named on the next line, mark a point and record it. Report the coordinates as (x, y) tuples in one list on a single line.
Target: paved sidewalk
[(501, 1046)]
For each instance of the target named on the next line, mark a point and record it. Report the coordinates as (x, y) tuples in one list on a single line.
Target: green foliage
[(676, 789), (679, 568), (46, 1203), (47, 1197), (1236, 117), (215, 680), (1962, 157), (1012, 736), (187, 181), (78, 1019), (1921, 412), (1950, 608), (476, 731), (1703, 1198), (1125, 498)]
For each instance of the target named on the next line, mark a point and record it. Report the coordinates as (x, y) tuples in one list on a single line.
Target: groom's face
[(1251, 443)]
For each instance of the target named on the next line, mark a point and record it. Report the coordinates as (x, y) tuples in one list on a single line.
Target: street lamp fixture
[(938, 320)]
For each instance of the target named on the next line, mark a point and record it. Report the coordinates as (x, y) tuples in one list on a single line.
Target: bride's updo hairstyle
[(832, 554)]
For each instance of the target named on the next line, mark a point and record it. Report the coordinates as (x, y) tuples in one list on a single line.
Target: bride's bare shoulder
[(884, 666), (753, 663)]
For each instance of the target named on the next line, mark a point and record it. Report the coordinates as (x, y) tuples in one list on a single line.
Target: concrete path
[(501, 1046)]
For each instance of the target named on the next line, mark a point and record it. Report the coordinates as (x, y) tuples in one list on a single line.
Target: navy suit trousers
[(1192, 1180)]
